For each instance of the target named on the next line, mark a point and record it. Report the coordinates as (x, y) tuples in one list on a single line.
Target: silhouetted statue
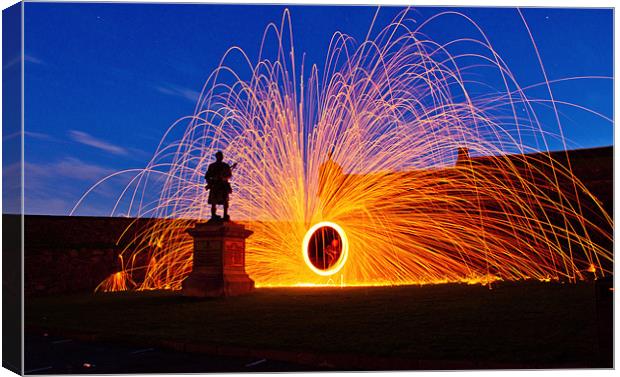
[(217, 177)]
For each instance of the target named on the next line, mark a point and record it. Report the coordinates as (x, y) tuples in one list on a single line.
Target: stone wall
[(74, 254), (66, 254)]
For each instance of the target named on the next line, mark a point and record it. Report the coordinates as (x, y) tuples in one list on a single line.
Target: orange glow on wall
[(370, 148)]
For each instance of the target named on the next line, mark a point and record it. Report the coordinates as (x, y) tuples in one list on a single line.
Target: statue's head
[(219, 156)]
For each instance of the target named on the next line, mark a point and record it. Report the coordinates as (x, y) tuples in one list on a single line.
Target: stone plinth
[(219, 261)]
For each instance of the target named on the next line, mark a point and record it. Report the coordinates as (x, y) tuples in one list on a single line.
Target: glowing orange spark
[(342, 259), (370, 146), (592, 268)]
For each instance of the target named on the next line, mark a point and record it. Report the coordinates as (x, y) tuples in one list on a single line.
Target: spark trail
[(370, 144)]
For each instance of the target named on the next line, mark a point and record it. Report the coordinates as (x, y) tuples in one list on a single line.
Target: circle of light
[(343, 255)]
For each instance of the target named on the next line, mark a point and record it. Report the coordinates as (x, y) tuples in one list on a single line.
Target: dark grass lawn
[(521, 323)]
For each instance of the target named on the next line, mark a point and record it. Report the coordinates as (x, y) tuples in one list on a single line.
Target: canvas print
[(257, 188)]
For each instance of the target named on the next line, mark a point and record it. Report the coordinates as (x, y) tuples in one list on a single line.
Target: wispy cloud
[(32, 59), (55, 187), (39, 135), (68, 167), (75, 168), (87, 139), (34, 135), (178, 91), (47, 205), (17, 59), (11, 136)]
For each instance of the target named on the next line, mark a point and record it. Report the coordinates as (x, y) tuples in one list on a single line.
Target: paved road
[(54, 355)]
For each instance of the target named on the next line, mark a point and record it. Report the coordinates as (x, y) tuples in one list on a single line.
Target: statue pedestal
[(219, 261)]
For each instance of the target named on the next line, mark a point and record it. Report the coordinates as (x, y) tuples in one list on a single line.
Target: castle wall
[(74, 254)]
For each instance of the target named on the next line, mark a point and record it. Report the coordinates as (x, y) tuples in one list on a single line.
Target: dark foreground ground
[(513, 325), (49, 354)]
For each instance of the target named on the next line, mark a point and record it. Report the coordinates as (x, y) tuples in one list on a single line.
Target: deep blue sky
[(104, 81)]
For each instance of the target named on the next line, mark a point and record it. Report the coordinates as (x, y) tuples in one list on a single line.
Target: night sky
[(104, 81)]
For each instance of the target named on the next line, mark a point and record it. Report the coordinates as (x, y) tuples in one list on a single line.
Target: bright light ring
[(343, 255)]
